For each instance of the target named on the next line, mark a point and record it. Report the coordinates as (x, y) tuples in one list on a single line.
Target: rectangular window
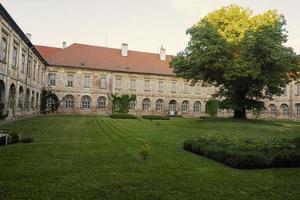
[(3, 48), (118, 83), (38, 73), (29, 67), (147, 85), (70, 80), (132, 85), (173, 89), (186, 88), (285, 91), (198, 89), (210, 90), (23, 62), (160, 86), (34, 71), (15, 56), (103, 82), (52, 79), (298, 89), (87, 81)]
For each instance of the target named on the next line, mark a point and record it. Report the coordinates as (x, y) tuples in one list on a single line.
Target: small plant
[(27, 139), (145, 151), (13, 137)]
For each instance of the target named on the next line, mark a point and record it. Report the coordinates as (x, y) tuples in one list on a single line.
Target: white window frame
[(52, 79), (102, 103), (3, 48), (103, 82), (173, 86), (87, 81), (70, 80), (132, 85), (118, 83), (160, 86), (185, 106)]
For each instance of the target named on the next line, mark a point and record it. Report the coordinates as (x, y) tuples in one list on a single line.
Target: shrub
[(13, 138), (174, 115), (27, 139), (247, 153), (122, 116), (211, 107), (155, 117), (145, 151)]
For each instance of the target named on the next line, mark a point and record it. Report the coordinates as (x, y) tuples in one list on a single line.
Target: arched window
[(101, 103), (12, 96), (185, 106), (132, 105), (2, 91), (146, 104), (172, 106), (69, 102), (298, 109), (285, 110), (21, 97), (273, 109), (197, 106), (37, 100), (32, 100), (159, 105), (86, 102), (27, 100)]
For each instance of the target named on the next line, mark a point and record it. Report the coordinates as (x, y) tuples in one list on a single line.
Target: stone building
[(22, 69), (84, 77)]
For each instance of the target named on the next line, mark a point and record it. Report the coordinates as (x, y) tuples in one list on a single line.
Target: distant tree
[(243, 55)]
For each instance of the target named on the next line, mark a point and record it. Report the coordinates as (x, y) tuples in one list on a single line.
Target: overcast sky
[(144, 24)]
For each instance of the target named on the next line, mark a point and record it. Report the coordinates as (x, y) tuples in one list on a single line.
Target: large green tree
[(243, 55)]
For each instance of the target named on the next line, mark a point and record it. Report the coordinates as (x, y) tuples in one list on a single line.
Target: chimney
[(162, 55), (64, 44), (124, 50), (28, 35)]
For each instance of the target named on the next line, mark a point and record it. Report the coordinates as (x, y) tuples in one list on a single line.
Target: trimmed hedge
[(155, 117), (247, 153), (122, 116)]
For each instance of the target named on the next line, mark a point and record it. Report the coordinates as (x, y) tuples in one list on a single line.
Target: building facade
[(22, 70), (84, 78)]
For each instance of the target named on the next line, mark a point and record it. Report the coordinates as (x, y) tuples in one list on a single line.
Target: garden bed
[(156, 117), (247, 153), (122, 116)]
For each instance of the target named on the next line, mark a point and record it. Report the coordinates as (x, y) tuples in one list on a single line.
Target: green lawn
[(90, 157)]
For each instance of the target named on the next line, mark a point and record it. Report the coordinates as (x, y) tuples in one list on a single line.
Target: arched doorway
[(27, 100), (37, 100), (172, 107), (12, 96), (32, 100), (2, 92), (21, 97)]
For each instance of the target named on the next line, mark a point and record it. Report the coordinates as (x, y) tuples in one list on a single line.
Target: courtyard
[(93, 157)]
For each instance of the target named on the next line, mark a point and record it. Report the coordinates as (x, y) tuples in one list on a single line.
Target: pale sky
[(144, 24)]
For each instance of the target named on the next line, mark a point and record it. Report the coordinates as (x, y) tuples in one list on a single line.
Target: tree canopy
[(242, 54)]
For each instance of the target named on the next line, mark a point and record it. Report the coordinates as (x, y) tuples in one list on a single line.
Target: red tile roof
[(94, 57), (46, 51)]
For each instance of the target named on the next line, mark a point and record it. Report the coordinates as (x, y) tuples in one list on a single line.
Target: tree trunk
[(240, 114)]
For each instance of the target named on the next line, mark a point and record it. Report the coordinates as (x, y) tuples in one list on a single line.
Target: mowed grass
[(91, 157)]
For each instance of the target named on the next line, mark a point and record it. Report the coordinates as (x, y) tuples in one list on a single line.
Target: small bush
[(122, 116), (27, 139), (247, 153), (155, 117), (13, 138), (174, 115), (145, 151)]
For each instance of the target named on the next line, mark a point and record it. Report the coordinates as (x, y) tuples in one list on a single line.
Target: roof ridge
[(136, 51)]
